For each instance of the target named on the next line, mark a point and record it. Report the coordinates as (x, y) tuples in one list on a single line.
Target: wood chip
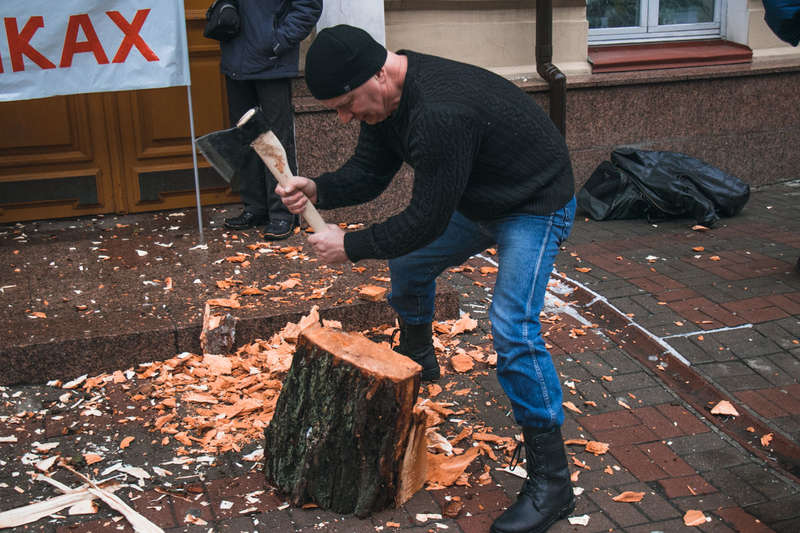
[(462, 363), (694, 518), (572, 407), (629, 496), (372, 293), (583, 269), (126, 442), (766, 439), (444, 470), (224, 302), (724, 408), (463, 324), (597, 448)]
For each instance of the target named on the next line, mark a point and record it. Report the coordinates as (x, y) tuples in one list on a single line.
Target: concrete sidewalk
[(648, 332)]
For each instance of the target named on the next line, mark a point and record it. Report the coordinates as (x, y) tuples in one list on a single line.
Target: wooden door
[(114, 152), (54, 158)]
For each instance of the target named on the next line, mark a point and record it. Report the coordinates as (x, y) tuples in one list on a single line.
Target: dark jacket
[(477, 143), (268, 44)]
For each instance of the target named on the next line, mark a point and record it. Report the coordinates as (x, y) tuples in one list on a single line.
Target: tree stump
[(219, 331), (345, 434)]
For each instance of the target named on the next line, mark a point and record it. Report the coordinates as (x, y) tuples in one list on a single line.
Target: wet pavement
[(651, 325)]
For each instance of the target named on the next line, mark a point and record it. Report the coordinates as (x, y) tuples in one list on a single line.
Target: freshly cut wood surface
[(363, 353)]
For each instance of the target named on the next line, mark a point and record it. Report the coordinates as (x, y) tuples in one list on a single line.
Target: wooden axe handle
[(271, 151)]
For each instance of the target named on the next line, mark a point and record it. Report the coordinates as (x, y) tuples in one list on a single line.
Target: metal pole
[(194, 164)]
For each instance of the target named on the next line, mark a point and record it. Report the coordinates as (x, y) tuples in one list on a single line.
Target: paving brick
[(764, 481), (742, 492), (776, 510), (791, 525), (788, 363), (780, 396), (652, 505), (629, 382), (638, 463), (704, 502), (686, 421), (598, 523), (620, 361), (623, 514), (677, 295), (197, 506), (653, 419), (236, 490), (790, 303), (608, 421), (732, 368), (704, 461), (777, 334), (760, 404), (672, 526), (476, 523), (746, 382), (741, 520), (155, 507), (692, 485), (666, 459), (649, 396), (770, 371), (480, 500), (657, 283), (628, 435)]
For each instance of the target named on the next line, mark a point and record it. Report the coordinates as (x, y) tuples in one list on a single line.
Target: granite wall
[(742, 120)]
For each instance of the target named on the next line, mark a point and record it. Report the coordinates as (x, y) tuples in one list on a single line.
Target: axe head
[(227, 150)]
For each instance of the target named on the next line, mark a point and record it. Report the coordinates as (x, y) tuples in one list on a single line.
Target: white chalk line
[(554, 304), (600, 298)]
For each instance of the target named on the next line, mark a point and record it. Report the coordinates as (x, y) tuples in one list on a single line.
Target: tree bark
[(219, 331), (345, 434)]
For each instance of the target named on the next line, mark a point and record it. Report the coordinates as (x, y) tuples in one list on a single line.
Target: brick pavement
[(736, 327)]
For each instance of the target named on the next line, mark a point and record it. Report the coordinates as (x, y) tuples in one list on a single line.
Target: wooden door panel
[(156, 138), (54, 159)]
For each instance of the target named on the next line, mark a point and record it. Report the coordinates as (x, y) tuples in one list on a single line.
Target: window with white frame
[(627, 21)]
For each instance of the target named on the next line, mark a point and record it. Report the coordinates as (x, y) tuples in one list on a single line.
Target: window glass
[(613, 13), (685, 11)]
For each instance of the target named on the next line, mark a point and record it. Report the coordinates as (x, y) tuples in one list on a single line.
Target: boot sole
[(565, 512)]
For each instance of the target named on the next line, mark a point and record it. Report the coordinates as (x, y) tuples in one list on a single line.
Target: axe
[(227, 149)]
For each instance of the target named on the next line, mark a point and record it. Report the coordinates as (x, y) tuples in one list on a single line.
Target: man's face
[(364, 103)]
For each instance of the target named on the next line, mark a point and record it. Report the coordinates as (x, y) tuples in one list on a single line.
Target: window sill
[(650, 56)]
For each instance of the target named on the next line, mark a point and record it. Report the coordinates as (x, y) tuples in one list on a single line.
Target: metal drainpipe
[(546, 69)]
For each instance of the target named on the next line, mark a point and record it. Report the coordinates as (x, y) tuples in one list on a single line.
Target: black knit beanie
[(340, 59)]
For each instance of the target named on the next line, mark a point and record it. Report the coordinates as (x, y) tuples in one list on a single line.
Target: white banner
[(81, 46)]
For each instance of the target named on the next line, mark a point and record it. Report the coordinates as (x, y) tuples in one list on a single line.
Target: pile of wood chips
[(211, 404)]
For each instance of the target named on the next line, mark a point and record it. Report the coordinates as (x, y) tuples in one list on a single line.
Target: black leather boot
[(546, 495), (416, 342)]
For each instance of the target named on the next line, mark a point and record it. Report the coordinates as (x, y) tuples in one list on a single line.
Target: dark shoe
[(416, 342), (279, 229), (546, 495), (245, 220)]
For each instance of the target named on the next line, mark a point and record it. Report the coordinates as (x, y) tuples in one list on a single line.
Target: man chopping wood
[(490, 168)]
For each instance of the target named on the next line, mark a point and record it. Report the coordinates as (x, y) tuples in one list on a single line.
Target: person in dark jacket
[(258, 64), (490, 168)]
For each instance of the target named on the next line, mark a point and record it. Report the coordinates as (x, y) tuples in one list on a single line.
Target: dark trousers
[(256, 182)]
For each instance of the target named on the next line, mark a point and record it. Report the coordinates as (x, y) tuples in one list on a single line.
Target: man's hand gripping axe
[(227, 149)]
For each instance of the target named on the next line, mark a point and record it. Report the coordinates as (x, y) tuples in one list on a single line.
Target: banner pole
[(194, 164)]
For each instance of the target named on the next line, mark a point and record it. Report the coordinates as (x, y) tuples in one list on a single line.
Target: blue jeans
[(526, 248)]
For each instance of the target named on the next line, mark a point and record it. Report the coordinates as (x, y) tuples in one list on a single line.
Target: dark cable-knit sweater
[(477, 143)]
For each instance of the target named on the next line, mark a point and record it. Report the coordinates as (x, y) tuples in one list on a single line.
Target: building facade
[(703, 77)]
